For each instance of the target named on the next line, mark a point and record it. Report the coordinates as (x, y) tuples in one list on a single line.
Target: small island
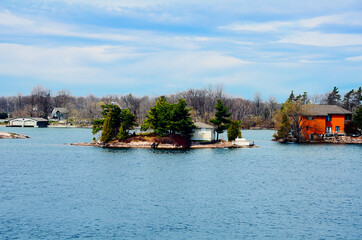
[(7, 135), (300, 121), (167, 126)]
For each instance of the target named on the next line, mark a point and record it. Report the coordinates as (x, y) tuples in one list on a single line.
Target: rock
[(8, 135)]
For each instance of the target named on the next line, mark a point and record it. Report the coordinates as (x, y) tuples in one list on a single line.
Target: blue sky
[(158, 47)]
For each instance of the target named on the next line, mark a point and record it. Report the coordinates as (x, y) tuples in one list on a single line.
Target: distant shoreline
[(150, 145)]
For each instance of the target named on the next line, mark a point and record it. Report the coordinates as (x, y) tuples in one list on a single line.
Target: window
[(329, 118), (307, 128), (328, 129), (337, 129), (348, 117), (310, 118)]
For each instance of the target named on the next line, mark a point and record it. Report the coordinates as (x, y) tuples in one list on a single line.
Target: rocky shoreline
[(145, 144), (330, 140), (7, 135)]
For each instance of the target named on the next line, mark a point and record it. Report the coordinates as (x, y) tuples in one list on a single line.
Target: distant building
[(60, 113), (324, 120), (203, 132), (28, 122)]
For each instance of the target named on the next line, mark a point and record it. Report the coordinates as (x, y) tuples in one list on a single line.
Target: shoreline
[(332, 140), (150, 145)]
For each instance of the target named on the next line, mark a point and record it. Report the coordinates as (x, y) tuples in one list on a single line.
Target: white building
[(203, 132), (28, 122)]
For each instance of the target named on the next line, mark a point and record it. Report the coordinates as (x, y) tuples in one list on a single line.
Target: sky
[(158, 47)]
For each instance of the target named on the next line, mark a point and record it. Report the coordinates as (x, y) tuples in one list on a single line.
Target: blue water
[(52, 190)]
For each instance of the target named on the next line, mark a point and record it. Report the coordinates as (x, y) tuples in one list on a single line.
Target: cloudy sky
[(158, 47)]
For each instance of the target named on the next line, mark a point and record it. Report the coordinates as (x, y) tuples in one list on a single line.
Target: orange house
[(324, 120)]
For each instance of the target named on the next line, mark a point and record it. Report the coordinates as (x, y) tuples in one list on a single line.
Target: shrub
[(234, 130)]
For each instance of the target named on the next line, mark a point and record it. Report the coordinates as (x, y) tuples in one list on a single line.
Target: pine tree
[(107, 132), (181, 121), (122, 133), (334, 98), (115, 117), (347, 100), (158, 117), (284, 129), (234, 130), (221, 120), (357, 118), (291, 97), (165, 118)]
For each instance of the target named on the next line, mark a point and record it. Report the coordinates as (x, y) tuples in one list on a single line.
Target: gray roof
[(33, 118), (61, 110), (203, 125), (324, 110)]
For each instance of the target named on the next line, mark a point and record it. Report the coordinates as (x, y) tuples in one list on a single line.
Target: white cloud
[(107, 63), (17, 25), (8, 19), (64, 64), (186, 63), (354, 59), (314, 61), (322, 39), (310, 23)]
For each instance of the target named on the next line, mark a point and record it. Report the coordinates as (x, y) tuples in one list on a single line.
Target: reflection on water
[(49, 190)]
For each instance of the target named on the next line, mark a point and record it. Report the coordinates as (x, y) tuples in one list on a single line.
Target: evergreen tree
[(181, 121), (284, 129), (122, 133), (128, 120), (234, 130), (357, 118), (352, 99), (221, 120), (350, 128), (356, 99), (159, 117), (115, 117), (291, 97), (107, 132), (347, 100), (334, 98), (165, 118)]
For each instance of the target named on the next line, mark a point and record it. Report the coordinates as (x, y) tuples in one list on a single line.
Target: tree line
[(84, 109), (290, 124), (164, 120)]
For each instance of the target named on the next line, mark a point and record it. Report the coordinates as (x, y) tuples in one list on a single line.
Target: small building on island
[(324, 120), (203, 132), (60, 113), (28, 122)]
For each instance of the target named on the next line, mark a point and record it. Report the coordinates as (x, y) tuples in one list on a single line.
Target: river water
[(52, 190)]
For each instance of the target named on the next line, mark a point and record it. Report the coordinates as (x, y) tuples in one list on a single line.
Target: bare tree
[(62, 98)]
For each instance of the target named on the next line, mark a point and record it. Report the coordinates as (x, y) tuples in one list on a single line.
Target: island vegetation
[(165, 123), (162, 115), (290, 125)]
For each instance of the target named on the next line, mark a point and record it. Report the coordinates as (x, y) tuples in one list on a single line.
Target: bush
[(234, 130), (350, 128)]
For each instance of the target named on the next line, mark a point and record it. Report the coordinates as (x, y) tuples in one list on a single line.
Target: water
[(52, 190)]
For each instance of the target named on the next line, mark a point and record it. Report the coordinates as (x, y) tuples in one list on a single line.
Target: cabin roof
[(61, 110), (324, 110), (203, 125), (32, 118)]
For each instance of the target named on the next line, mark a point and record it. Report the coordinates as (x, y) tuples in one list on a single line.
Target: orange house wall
[(337, 120), (319, 124)]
